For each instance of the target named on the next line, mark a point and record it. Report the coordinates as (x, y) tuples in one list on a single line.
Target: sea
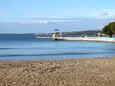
[(28, 47)]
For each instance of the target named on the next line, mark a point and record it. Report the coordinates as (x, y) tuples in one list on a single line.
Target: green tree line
[(109, 29)]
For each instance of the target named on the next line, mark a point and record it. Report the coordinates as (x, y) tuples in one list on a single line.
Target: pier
[(95, 39)]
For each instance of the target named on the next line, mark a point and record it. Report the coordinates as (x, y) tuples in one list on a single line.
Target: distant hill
[(83, 32), (79, 33)]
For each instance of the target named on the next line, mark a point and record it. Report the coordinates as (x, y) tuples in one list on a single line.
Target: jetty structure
[(97, 38), (56, 37)]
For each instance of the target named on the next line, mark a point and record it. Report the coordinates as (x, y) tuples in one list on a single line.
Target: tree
[(105, 29), (112, 26), (109, 29)]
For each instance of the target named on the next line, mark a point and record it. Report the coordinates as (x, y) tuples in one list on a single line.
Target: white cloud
[(45, 22), (107, 13), (104, 14)]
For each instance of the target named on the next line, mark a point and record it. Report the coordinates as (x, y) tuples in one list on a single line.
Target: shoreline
[(68, 72), (92, 39), (58, 59)]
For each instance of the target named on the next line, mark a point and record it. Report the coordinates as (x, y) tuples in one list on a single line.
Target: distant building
[(55, 36)]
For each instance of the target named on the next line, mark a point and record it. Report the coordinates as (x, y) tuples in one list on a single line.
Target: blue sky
[(22, 11), (11, 10)]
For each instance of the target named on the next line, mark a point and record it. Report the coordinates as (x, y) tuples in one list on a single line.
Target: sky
[(30, 10)]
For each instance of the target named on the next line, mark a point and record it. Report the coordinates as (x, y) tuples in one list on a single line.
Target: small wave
[(26, 48), (55, 54), (6, 48)]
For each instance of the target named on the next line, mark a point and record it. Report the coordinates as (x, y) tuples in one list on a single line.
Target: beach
[(68, 72)]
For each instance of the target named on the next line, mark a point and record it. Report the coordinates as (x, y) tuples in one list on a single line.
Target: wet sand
[(73, 72)]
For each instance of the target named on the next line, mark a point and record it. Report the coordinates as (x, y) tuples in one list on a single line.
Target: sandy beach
[(72, 72)]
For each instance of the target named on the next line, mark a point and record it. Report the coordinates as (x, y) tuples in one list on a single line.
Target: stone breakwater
[(97, 39), (73, 72)]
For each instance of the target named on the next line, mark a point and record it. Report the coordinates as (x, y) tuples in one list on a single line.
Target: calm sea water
[(27, 47)]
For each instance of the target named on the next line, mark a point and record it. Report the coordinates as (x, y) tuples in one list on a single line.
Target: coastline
[(68, 72), (95, 39), (92, 39)]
